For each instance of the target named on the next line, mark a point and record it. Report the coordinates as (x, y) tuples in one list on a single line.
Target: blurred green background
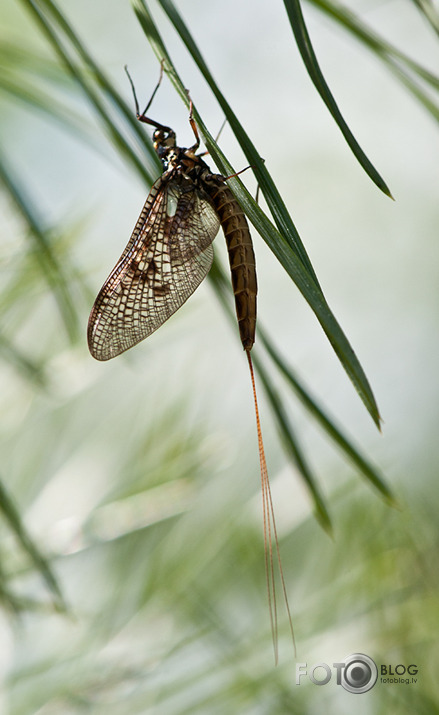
[(139, 479)]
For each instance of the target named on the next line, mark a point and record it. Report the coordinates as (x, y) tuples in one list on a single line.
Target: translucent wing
[(167, 257)]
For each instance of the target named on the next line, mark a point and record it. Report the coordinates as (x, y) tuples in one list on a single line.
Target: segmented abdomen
[(241, 257)]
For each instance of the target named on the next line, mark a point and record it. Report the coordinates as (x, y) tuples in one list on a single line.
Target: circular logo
[(359, 674)]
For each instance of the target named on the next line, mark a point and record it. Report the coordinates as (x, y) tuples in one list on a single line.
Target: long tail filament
[(270, 532)]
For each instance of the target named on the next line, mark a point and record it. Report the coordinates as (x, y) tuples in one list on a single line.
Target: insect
[(168, 255)]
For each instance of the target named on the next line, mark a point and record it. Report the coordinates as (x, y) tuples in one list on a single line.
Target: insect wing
[(168, 255)]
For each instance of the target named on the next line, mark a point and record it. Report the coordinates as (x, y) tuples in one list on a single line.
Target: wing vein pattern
[(168, 255)]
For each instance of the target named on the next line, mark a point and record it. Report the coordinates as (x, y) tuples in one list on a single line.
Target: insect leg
[(232, 176), (204, 153), (142, 117), (193, 148), (153, 94), (156, 88)]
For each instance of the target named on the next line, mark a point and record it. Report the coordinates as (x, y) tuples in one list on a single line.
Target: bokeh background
[(139, 478)]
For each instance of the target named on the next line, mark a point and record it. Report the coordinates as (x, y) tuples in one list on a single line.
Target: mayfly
[(168, 255)]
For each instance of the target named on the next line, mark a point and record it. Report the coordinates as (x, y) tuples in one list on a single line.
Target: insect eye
[(159, 135)]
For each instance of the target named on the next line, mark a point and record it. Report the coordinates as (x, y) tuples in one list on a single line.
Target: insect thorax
[(184, 163)]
